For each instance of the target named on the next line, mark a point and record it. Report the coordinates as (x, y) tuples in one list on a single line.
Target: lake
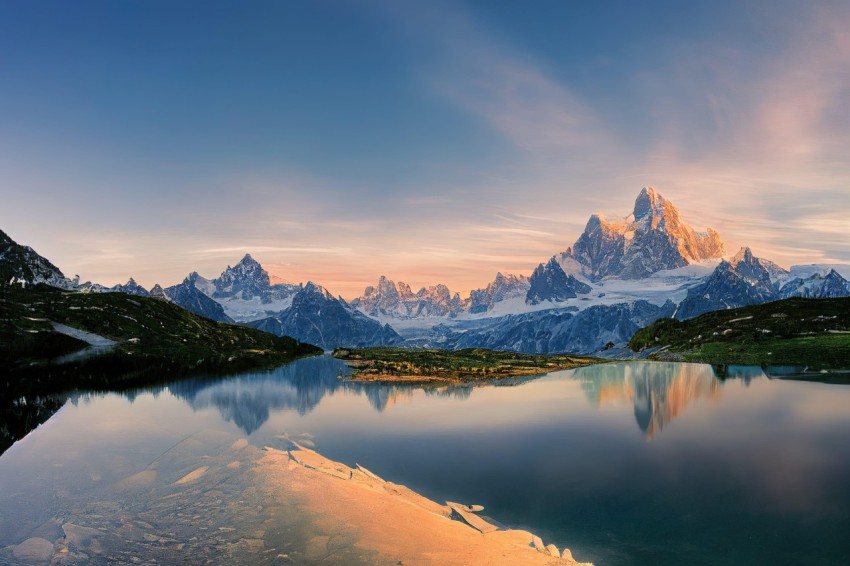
[(624, 463)]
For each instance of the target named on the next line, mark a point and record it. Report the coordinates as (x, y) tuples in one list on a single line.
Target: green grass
[(804, 332), (152, 335), (825, 351), (385, 363)]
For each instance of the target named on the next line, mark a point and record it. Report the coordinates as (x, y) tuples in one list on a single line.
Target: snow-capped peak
[(744, 260), (653, 238)]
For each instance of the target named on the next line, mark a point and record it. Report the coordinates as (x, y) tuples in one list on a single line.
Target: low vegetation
[(152, 337), (473, 364), (804, 332)]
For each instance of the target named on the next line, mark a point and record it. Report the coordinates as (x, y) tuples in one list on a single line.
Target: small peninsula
[(451, 366)]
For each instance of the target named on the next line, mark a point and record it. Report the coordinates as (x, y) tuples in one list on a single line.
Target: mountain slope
[(318, 318), (557, 331), (745, 280), (23, 264), (808, 332), (150, 334), (188, 296), (816, 286)]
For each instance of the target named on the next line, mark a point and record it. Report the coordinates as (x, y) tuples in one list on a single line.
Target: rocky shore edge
[(404, 526)]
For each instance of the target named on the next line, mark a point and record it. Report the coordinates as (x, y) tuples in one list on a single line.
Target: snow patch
[(88, 337)]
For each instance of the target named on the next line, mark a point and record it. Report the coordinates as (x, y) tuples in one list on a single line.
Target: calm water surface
[(633, 463)]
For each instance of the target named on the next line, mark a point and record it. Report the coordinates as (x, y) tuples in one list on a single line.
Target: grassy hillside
[(400, 364), (151, 335), (807, 332)]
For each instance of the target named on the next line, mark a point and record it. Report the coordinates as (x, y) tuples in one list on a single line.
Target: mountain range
[(618, 276)]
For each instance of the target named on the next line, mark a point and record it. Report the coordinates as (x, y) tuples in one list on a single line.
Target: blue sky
[(428, 141)]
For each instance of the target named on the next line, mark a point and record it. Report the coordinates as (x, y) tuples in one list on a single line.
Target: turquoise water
[(632, 463)]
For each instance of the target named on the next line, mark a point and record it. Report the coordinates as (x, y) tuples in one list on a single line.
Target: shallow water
[(631, 463)]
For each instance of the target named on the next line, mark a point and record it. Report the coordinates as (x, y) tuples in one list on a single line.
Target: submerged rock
[(33, 549), (193, 475)]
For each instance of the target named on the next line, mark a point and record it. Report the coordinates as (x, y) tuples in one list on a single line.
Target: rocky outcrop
[(188, 296), (502, 288), (398, 300), (157, 292), (550, 283), (131, 288)]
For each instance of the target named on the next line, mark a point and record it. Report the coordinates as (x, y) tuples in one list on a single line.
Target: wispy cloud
[(510, 91), (270, 249), (748, 140)]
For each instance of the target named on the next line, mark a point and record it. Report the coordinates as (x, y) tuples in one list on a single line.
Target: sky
[(438, 141)]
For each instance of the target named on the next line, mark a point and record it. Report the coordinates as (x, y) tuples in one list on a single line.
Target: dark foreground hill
[(149, 336)]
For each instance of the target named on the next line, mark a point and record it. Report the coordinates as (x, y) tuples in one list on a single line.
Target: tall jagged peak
[(248, 263), (398, 300), (438, 290), (745, 259), (316, 289), (507, 278), (247, 267), (247, 259), (745, 254), (247, 279), (158, 292), (652, 238), (549, 282), (385, 284), (648, 202), (596, 219), (132, 288)]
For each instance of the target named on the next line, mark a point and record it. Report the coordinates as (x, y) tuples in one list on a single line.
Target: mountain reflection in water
[(659, 392), (248, 399)]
